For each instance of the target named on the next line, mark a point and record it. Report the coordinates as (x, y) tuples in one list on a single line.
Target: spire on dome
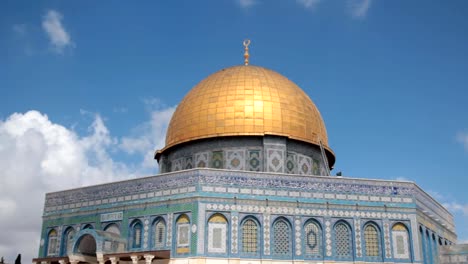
[(246, 53)]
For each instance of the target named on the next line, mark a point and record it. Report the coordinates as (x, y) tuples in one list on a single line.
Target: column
[(148, 259), (134, 259), (422, 233), (114, 260), (100, 258)]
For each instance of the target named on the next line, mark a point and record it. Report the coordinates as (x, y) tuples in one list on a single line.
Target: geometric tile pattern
[(388, 249), (281, 238), (266, 234), (328, 240), (291, 163), (145, 233), (250, 236), (255, 160), (234, 229), (235, 159), (177, 164), (217, 160), (188, 163), (202, 159), (313, 240), (301, 211), (371, 238), (297, 228), (343, 245), (275, 160), (304, 164), (169, 229), (357, 237), (315, 167)]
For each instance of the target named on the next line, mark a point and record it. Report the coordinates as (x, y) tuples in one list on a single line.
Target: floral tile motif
[(202, 159), (275, 160), (304, 165), (255, 160), (235, 159), (217, 160)]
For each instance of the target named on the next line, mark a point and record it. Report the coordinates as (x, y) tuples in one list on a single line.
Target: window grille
[(249, 236), (281, 238), (313, 239), (159, 234), (52, 243), (342, 241), (371, 238)]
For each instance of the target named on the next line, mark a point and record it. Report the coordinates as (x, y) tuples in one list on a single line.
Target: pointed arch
[(250, 236), (52, 244), (217, 233), (67, 240), (88, 226), (343, 248), (112, 228), (136, 231), (282, 237), (372, 240), (400, 241), (313, 239), (159, 233), (183, 234)]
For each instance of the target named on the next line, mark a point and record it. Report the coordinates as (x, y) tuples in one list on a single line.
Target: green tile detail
[(217, 160)]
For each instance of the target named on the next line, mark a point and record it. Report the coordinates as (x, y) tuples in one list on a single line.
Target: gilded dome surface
[(246, 100)]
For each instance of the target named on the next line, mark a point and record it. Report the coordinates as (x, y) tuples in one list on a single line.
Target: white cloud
[(149, 136), (358, 8), (58, 36), (246, 3), (310, 4), (456, 207), (38, 156), (462, 137)]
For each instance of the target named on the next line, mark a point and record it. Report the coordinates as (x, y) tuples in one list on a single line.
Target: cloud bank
[(40, 156)]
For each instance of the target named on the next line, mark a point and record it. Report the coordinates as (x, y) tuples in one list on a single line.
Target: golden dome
[(244, 101)]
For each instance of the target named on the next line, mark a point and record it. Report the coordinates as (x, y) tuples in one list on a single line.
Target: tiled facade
[(269, 154), (276, 202)]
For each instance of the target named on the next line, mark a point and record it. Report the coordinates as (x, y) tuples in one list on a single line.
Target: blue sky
[(88, 87)]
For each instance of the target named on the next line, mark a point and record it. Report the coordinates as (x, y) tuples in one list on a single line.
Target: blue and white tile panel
[(126, 198), (316, 195), (303, 211)]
